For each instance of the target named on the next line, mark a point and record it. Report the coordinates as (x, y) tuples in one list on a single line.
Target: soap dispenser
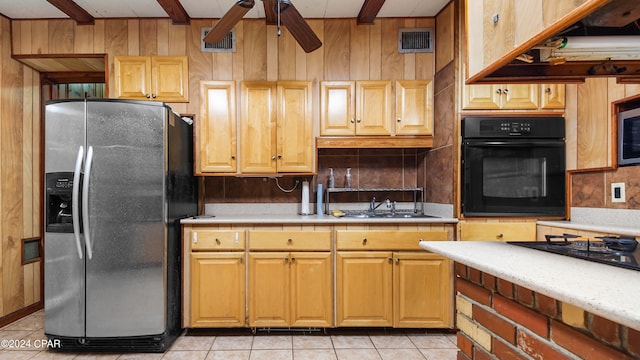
[(348, 178)]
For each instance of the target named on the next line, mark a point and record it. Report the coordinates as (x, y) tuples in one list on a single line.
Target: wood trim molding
[(176, 12), (75, 12), (19, 314), (372, 142)]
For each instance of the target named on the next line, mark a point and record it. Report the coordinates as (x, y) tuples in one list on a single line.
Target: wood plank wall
[(19, 177), (350, 52)]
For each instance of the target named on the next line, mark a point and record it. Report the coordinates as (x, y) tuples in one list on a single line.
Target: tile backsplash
[(593, 189), (370, 169)]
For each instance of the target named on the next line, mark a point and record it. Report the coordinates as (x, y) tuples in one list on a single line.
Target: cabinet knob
[(289, 240), (154, 96), (420, 240), (286, 260), (147, 96), (399, 120), (547, 90), (241, 260), (499, 91), (233, 157), (279, 156), (364, 241), (217, 241), (293, 259), (397, 260), (353, 120), (273, 157), (506, 91), (500, 236), (390, 258), (359, 120)]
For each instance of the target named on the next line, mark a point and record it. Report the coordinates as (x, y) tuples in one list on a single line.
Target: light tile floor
[(337, 344)]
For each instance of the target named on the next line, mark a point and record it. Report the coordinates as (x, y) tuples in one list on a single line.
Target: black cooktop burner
[(610, 250)]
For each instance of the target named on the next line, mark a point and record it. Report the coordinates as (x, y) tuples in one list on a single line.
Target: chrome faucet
[(373, 206)]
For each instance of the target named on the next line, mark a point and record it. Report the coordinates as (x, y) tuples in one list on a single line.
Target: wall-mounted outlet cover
[(617, 192)]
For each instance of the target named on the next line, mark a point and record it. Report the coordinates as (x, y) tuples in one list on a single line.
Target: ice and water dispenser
[(59, 190)]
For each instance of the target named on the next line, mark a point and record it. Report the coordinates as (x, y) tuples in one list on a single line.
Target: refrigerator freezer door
[(125, 276), (64, 278)]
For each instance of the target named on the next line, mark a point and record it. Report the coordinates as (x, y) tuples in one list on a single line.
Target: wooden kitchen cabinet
[(217, 289), (159, 78), (215, 292), (276, 127), (290, 288), (215, 140), (501, 97), (411, 289), (421, 288), (351, 108), (414, 107), (497, 231), (552, 96)]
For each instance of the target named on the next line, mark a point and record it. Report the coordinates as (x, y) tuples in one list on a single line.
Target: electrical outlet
[(617, 192)]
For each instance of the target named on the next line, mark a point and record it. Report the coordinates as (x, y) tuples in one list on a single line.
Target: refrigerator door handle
[(75, 207), (85, 201)]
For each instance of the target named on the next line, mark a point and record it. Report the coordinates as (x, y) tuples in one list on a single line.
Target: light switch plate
[(617, 192)]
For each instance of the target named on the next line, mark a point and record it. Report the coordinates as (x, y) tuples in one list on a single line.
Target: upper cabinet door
[(159, 78), (170, 78), (414, 107), (552, 96), (258, 127), (337, 112), (295, 142), (216, 128), (373, 107), (519, 96), (133, 77)]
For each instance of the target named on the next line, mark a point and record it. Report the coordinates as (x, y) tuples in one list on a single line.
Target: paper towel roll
[(304, 206)]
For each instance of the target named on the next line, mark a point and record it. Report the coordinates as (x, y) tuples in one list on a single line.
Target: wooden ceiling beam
[(75, 12), (176, 12), (369, 11)]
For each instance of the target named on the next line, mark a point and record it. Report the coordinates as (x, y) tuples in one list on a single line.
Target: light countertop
[(604, 290), (309, 219)]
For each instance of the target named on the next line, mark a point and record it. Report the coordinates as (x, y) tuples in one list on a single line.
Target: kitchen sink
[(366, 215)]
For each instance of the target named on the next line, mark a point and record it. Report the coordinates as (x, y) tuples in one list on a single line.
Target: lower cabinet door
[(364, 285), (269, 289), (311, 289), (218, 289), (421, 290)]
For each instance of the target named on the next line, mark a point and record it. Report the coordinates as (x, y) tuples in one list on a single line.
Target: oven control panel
[(513, 127)]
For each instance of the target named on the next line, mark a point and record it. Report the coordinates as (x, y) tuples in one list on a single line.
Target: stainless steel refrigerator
[(118, 178)]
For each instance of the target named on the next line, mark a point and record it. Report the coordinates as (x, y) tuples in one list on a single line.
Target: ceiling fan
[(277, 11)]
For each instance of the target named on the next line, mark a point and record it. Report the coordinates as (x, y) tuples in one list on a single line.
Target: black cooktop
[(610, 250)]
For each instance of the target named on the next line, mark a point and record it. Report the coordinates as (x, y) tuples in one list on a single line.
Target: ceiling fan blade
[(298, 27), (228, 21), (369, 11), (270, 11)]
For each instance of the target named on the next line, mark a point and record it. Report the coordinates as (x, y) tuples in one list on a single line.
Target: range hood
[(604, 43)]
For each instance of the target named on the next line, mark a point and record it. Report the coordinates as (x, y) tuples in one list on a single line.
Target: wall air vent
[(415, 40), (228, 44)]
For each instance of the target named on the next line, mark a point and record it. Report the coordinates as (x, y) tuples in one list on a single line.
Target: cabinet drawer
[(217, 240), (290, 240), (509, 231), (385, 240)]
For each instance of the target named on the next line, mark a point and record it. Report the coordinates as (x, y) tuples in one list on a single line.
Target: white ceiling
[(41, 9)]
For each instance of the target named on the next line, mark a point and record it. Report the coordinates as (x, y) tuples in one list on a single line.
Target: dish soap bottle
[(332, 181), (348, 178)]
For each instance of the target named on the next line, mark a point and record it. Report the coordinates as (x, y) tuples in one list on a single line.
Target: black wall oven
[(513, 166)]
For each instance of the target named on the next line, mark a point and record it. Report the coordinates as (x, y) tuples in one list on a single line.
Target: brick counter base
[(498, 319)]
